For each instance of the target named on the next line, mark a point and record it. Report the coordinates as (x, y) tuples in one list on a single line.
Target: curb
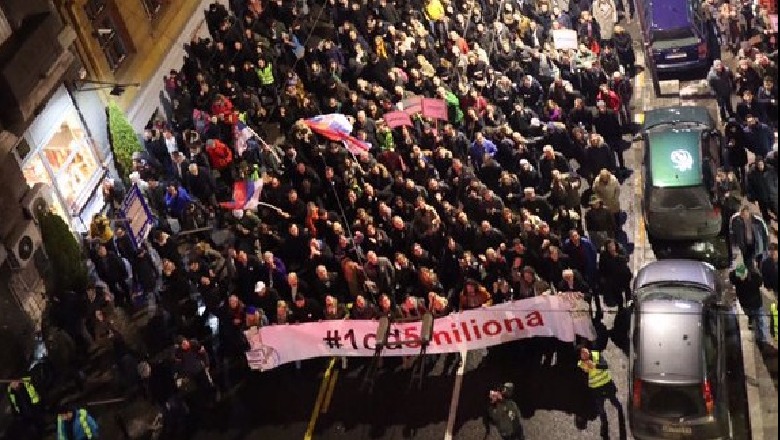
[(747, 339)]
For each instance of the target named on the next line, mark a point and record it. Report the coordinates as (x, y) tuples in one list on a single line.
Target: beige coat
[(609, 193), (605, 14)]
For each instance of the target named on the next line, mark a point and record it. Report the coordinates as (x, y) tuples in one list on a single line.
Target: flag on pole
[(242, 135), (246, 193), (336, 127)]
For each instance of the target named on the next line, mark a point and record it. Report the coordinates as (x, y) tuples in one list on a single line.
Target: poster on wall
[(138, 216)]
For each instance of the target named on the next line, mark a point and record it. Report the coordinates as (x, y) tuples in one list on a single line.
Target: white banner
[(559, 316), (564, 39)]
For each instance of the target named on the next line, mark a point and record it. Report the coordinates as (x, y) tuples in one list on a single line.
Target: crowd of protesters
[(516, 195)]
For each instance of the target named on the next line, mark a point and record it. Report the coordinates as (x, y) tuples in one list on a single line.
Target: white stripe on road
[(456, 396)]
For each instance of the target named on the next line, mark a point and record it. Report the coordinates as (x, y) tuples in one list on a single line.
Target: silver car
[(677, 385)]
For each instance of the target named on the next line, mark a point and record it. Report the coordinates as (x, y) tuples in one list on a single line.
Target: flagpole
[(265, 144)]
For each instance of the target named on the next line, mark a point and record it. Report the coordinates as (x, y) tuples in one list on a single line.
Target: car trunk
[(672, 411)]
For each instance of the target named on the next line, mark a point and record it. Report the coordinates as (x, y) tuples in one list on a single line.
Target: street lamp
[(116, 88)]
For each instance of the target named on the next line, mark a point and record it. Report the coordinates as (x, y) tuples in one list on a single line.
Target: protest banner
[(412, 106), (564, 39), (561, 317), (397, 119), (434, 108)]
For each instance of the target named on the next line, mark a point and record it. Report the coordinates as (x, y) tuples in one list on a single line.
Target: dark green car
[(681, 156)]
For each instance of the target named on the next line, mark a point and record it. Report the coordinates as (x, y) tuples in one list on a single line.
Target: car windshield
[(672, 290), (672, 400), (672, 34), (682, 198)]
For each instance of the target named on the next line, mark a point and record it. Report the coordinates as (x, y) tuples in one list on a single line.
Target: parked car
[(681, 155), (678, 36), (677, 368)]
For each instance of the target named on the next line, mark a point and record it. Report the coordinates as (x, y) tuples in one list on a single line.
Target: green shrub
[(124, 140), (69, 271)]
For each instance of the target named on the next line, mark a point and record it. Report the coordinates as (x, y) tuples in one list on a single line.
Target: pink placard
[(397, 119), (412, 105), (434, 108), (773, 20)]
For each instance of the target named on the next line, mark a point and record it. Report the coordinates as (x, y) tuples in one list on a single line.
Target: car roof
[(678, 113), (683, 271), (670, 341), (669, 14), (675, 157)]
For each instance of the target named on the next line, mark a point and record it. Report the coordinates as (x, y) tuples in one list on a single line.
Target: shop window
[(68, 162), (152, 7), (106, 26)]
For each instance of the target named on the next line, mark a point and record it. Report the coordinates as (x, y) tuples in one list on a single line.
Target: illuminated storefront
[(58, 151)]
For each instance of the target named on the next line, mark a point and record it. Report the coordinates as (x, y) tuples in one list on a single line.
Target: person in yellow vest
[(773, 317), (76, 424), (601, 388), (26, 406), (265, 73), (434, 12)]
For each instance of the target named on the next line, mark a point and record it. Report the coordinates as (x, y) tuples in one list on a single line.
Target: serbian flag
[(336, 127), (246, 194), (242, 135)]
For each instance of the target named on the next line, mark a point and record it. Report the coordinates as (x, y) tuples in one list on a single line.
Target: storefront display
[(65, 159)]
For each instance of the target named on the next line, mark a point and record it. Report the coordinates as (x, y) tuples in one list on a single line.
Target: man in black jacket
[(111, 269), (504, 413), (607, 124), (199, 183), (747, 283)]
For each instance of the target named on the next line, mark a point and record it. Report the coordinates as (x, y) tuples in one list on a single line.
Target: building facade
[(59, 61), (134, 42)]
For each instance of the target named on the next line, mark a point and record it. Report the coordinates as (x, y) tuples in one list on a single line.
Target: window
[(67, 161), (672, 401), (152, 7), (107, 31), (95, 8), (668, 199), (672, 34)]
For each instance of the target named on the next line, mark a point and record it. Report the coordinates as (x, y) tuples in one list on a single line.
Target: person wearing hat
[(624, 90), (601, 222), (76, 424), (503, 413), (747, 283)]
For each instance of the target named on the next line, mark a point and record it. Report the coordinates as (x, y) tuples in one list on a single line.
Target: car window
[(685, 198), (672, 400), (672, 34)]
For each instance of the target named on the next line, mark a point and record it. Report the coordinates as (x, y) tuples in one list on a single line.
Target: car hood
[(667, 115)]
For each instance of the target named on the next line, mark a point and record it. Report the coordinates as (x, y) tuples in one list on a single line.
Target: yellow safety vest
[(434, 10), (28, 386), (82, 414), (597, 377), (773, 317), (266, 75)]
